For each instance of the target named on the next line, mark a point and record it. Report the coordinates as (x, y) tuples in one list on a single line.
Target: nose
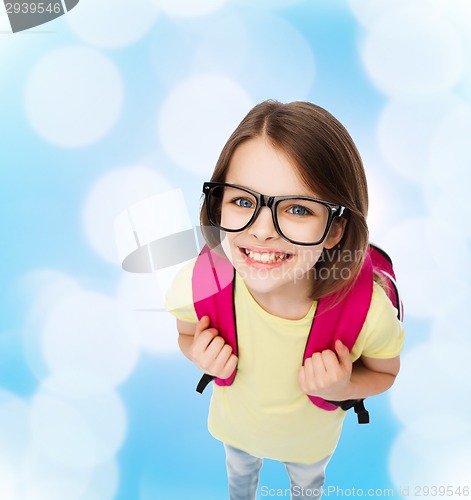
[(263, 227)]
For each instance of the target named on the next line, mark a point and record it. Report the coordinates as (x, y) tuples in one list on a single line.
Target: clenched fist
[(327, 374), (209, 351)]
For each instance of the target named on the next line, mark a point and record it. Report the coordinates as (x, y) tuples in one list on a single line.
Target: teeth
[(266, 257)]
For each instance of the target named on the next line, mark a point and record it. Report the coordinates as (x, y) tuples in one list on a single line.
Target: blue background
[(45, 191)]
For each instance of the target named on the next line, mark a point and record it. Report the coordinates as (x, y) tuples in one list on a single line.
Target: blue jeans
[(243, 472)]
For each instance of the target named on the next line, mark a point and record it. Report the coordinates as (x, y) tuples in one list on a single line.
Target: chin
[(267, 278)]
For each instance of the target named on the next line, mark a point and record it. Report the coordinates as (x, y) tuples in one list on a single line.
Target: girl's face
[(266, 261)]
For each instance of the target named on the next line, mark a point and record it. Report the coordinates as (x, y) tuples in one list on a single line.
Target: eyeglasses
[(298, 219)]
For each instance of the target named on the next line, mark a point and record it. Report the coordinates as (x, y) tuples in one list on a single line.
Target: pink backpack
[(213, 295)]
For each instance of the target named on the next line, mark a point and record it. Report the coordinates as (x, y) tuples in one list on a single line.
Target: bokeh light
[(407, 130), (413, 51), (279, 63), (81, 102), (122, 188), (449, 154), (197, 117), (142, 313), (422, 255), (188, 8), (83, 333), (77, 433), (45, 288), (110, 24)]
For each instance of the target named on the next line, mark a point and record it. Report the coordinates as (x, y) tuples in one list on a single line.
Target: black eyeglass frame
[(263, 200)]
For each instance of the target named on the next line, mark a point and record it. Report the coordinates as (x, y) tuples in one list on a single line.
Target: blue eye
[(299, 210), (243, 202)]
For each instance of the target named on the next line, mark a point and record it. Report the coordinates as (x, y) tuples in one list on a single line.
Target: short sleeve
[(179, 297), (382, 335)]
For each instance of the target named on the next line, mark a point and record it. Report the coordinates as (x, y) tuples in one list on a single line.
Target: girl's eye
[(299, 210), (243, 202)]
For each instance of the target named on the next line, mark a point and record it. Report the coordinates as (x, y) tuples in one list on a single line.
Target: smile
[(267, 257)]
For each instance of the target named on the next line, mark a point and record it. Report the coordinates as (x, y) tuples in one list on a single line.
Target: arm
[(331, 375), (371, 376), (204, 347)]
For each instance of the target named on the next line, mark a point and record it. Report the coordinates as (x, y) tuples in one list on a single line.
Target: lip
[(264, 265)]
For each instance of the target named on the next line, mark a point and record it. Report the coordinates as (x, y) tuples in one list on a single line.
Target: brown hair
[(327, 162)]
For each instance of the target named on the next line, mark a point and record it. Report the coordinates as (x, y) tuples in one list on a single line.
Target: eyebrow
[(306, 195)]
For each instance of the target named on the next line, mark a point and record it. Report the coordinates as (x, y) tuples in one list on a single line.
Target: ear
[(336, 233)]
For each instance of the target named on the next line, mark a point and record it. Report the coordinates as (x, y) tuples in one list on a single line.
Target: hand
[(327, 374), (210, 353)]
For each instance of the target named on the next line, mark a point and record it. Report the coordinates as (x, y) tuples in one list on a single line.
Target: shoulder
[(382, 334), (381, 307), (179, 296)]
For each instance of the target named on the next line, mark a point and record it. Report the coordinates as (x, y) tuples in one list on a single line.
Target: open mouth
[(266, 257)]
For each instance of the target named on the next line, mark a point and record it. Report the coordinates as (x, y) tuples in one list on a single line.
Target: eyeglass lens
[(299, 220)]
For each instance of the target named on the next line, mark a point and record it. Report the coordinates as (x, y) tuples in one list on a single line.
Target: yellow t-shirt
[(264, 412)]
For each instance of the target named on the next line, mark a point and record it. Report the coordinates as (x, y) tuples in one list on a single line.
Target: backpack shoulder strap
[(213, 296), (340, 320), (382, 264)]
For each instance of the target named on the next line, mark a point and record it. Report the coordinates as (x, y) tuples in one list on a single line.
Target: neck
[(289, 302)]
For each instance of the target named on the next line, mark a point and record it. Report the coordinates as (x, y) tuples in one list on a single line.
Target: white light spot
[(142, 313), (413, 51), (447, 185), (221, 46), (139, 291), (406, 129), (450, 160), (460, 369), (197, 118), (440, 200), (279, 61), (104, 483), (109, 24), (10, 482), (83, 334), (60, 433), (456, 468), (417, 463), (459, 12), (151, 220), (14, 428), (44, 288), (383, 211), (75, 383), (426, 264), (155, 331), (57, 488), (189, 8), (111, 194), (368, 12), (171, 52), (267, 4), (43, 479), (77, 432), (422, 382), (453, 322), (73, 96)]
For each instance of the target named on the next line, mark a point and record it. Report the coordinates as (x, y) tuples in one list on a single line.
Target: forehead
[(258, 165)]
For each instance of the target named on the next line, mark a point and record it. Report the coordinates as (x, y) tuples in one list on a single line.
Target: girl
[(288, 198)]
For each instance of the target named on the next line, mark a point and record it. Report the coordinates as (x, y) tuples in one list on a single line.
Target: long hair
[(328, 162)]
